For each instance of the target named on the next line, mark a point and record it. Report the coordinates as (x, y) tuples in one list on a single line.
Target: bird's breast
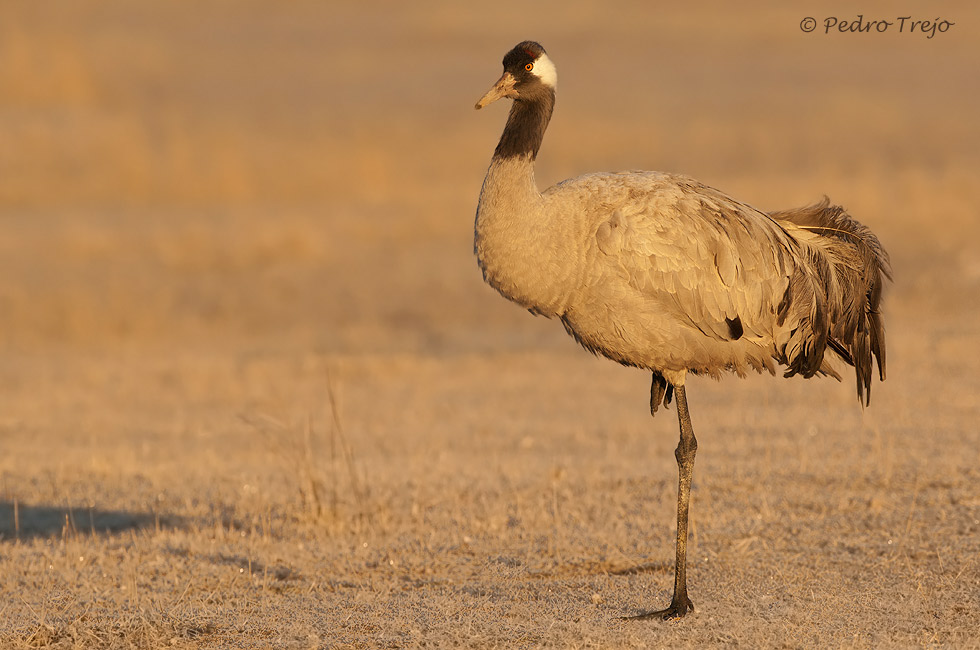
[(528, 262)]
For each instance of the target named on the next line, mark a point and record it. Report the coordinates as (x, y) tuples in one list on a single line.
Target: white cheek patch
[(544, 70)]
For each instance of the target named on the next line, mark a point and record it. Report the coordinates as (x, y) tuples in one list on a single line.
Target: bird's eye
[(529, 67)]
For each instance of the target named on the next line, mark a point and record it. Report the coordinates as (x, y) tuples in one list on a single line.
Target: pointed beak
[(503, 88)]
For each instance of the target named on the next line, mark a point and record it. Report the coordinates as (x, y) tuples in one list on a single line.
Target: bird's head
[(528, 73)]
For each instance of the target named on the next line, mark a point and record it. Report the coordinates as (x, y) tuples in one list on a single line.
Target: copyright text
[(859, 24)]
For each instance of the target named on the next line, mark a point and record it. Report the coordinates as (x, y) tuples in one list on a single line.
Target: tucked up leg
[(660, 392)]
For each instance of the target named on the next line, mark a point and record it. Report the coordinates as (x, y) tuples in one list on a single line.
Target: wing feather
[(707, 255), (726, 285)]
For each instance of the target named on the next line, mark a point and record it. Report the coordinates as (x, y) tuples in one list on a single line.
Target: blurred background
[(256, 176), (241, 320)]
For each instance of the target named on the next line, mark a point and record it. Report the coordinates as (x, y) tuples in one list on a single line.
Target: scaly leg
[(687, 447)]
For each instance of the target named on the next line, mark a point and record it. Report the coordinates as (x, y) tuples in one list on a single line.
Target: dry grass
[(253, 392)]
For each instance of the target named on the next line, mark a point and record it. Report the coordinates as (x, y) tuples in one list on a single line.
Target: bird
[(661, 272)]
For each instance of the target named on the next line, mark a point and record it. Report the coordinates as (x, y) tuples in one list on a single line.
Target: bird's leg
[(657, 390), (661, 392), (686, 449)]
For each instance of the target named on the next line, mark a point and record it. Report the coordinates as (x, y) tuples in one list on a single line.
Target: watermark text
[(861, 25)]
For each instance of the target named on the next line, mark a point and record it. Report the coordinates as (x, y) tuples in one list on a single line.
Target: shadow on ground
[(23, 522)]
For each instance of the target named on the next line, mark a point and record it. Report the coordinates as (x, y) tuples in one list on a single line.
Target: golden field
[(254, 392)]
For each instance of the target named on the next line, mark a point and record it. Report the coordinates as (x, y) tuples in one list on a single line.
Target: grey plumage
[(661, 272), (655, 270)]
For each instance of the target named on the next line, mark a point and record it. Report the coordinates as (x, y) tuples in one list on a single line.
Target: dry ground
[(253, 392)]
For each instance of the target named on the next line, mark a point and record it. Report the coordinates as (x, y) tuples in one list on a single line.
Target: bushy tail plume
[(847, 268)]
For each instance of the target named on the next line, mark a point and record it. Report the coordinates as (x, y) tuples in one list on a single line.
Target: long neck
[(509, 191), (518, 242), (526, 125)]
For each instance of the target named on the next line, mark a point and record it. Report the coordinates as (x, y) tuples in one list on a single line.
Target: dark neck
[(526, 126)]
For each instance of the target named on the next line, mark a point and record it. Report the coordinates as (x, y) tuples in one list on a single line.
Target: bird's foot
[(678, 608)]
